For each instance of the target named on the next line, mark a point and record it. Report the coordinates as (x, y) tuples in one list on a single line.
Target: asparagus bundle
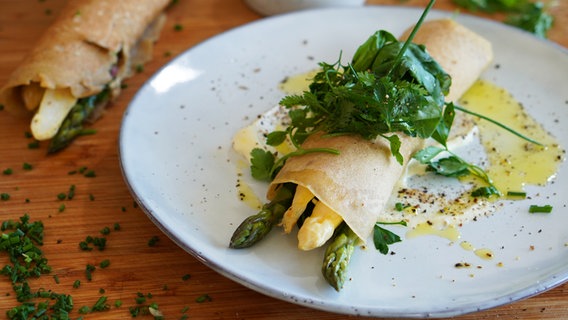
[(378, 111)]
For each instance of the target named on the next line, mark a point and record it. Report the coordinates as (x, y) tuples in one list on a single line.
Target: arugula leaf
[(444, 127)]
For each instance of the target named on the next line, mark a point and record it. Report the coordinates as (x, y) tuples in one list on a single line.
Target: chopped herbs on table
[(153, 241), (89, 269), (96, 242), (21, 240), (104, 264), (141, 308), (203, 298), (33, 145)]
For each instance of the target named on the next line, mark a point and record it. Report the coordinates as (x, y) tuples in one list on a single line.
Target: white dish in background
[(175, 152)]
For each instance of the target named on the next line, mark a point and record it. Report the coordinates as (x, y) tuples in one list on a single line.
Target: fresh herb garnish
[(540, 209), (387, 88), (382, 237), (524, 14), (455, 166), (517, 194)]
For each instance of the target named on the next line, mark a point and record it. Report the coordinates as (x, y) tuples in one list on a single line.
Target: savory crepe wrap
[(357, 183), (91, 46)]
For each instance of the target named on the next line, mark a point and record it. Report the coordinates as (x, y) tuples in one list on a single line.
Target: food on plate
[(79, 63), (354, 132)]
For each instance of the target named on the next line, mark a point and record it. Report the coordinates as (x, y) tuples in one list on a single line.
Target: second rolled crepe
[(91, 46), (357, 183)]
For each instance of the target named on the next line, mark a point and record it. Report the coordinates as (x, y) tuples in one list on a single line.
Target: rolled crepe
[(357, 183), (92, 45)]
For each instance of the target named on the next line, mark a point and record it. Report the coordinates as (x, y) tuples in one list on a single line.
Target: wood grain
[(136, 266)]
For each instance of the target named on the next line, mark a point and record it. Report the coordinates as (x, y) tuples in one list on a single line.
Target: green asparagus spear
[(337, 256), (72, 126), (254, 228)]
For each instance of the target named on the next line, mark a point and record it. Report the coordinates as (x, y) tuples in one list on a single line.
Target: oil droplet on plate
[(427, 229)]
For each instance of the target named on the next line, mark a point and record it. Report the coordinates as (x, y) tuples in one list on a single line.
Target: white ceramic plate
[(175, 150)]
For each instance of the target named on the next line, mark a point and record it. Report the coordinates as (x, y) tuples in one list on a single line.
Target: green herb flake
[(517, 194), (153, 241), (186, 277), (84, 310), (540, 209), (90, 174), (26, 166), (140, 298), (7, 171), (105, 264), (71, 192), (101, 304), (89, 269), (33, 145), (76, 284), (105, 231), (4, 196), (399, 206), (203, 298)]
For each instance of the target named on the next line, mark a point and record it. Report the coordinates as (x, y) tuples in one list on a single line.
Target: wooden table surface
[(175, 279)]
